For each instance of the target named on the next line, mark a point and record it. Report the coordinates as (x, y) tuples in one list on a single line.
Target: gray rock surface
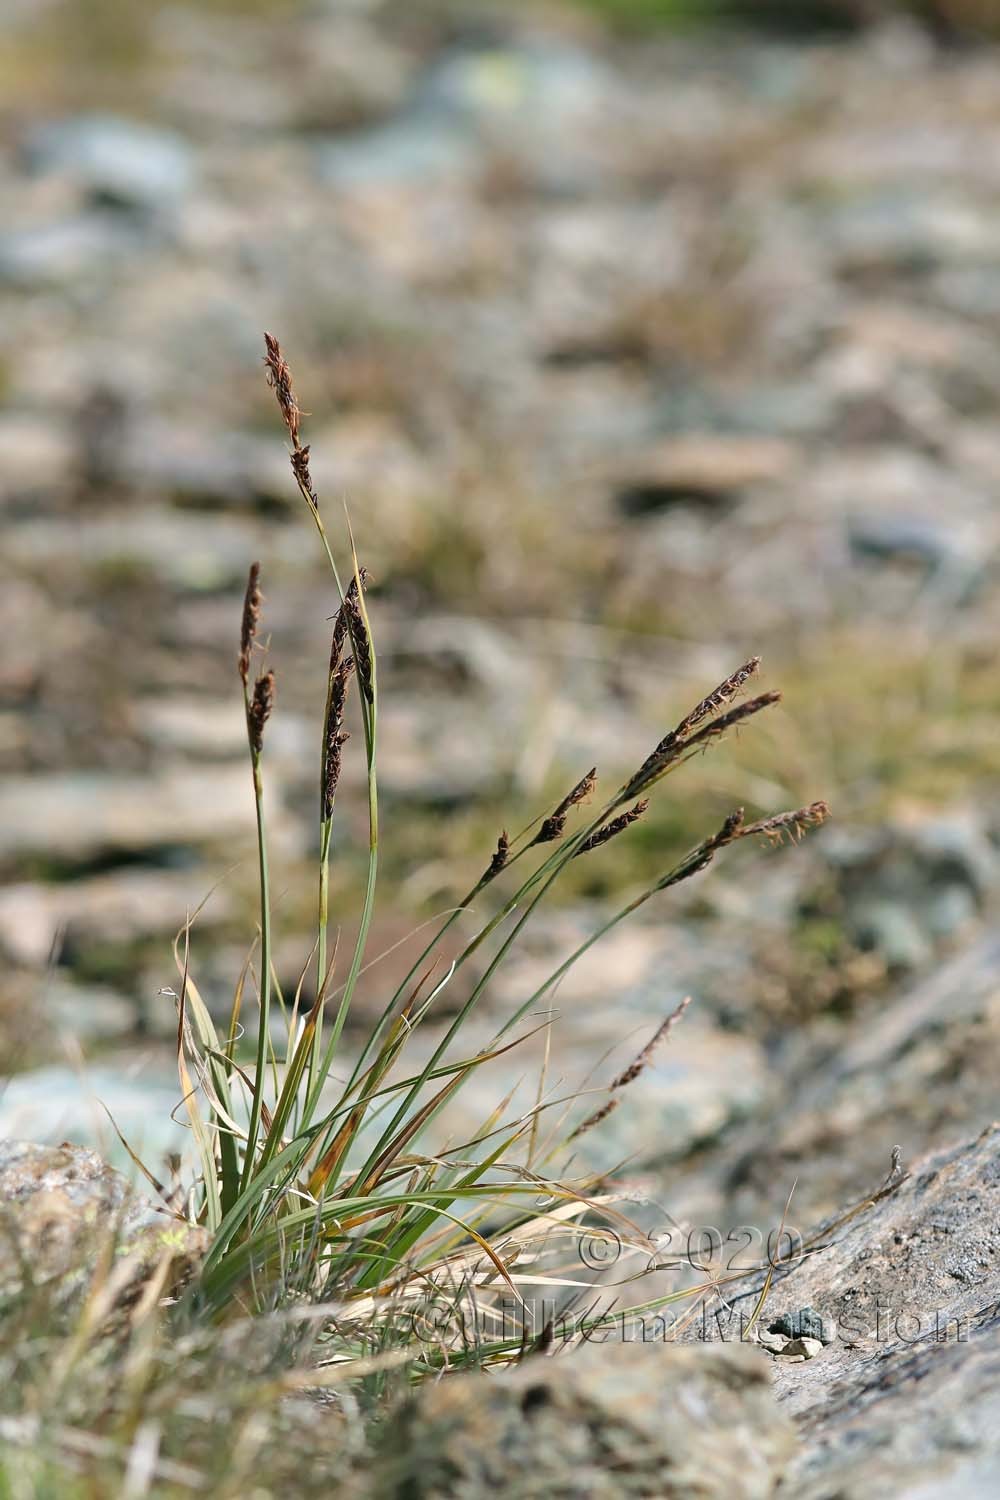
[(922, 1070), (113, 160), (60, 1204), (596, 1423), (903, 1399), (60, 1102)]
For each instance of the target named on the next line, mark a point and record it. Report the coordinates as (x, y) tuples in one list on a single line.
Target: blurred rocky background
[(638, 337)]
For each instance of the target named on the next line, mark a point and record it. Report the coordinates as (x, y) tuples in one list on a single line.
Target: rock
[(59, 1204), (202, 468), (56, 1103), (904, 887), (921, 1069), (93, 1013), (894, 538), (794, 1350), (36, 456), (894, 932), (900, 229), (556, 87), (39, 920), (597, 1423), (113, 160), (476, 101), (903, 1400), (415, 150), (66, 253), (806, 1323), (80, 814), (709, 472)]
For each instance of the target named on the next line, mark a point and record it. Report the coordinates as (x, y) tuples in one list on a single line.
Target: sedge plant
[(314, 1180)]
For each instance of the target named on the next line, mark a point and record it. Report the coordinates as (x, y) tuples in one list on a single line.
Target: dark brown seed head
[(554, 825), (735, 716), (362, 648), (251, 618), (331, 771), (279, 378), (333, 737), (631, 1073), (718, 698), (303, 478), (731, 829), (341, 620), (680, 738), (580, 792), (260, 709), (500, 858), (613, 828)]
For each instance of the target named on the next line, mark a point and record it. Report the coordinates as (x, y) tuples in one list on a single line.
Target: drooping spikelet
[(790, 825), (632, 1072)]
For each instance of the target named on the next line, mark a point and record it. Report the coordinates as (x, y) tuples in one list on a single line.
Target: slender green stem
[(264, 1021), (369, 721), (323, 919), (542, 878)]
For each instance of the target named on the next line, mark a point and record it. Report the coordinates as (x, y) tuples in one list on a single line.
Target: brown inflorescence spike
[(702, 855), (260, 709), (303, 477), (672, 748), (554, 825), (717, 699), (331, 774), (334, 737), (635, 1067), (673, 743), (351, 609), (613, 828), (500, 858), (734, 716), (279, 378), (597, 1118), (251, 619), (661, 1033)]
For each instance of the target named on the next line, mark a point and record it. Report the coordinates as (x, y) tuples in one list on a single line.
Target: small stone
[(797, 1350), (806, 1323)]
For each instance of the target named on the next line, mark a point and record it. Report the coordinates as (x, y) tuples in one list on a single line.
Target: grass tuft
[(382, 1260)]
